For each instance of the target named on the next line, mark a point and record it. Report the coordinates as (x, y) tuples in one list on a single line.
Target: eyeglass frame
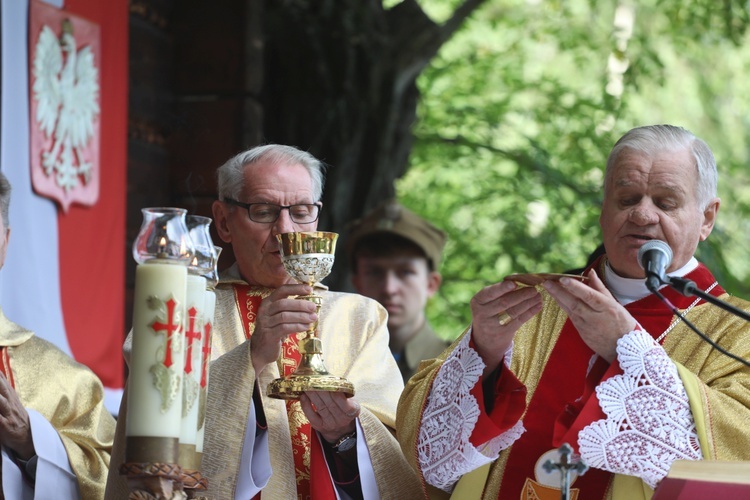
[(247, 206)]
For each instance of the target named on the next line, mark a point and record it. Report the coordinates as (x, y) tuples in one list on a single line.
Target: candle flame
[(162, 244), (183, 247)]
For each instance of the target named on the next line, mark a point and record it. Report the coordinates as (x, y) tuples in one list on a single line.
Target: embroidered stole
[(306, 449), (5, 366)]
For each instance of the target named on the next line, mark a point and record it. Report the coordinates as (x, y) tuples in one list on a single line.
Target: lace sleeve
[(649, 424), (444, 450)]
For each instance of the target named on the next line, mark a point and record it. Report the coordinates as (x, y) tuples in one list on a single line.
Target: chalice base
[(292, 386)]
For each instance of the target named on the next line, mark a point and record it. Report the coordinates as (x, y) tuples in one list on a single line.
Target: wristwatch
[(345, 442)]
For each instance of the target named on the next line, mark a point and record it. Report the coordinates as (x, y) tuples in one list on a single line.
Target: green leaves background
[(516, 121)]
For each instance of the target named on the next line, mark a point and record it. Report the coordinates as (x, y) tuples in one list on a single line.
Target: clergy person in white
[(53, 424)]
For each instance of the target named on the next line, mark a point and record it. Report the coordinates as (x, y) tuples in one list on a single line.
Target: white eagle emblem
[(66, 91)]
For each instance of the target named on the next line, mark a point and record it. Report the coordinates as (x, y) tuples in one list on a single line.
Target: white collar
[(627, 290)]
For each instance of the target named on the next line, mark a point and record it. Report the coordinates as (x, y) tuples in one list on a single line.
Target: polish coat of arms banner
[(64, 91)]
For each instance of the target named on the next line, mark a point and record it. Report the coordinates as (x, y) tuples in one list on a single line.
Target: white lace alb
[(649, 424), (444, 451)]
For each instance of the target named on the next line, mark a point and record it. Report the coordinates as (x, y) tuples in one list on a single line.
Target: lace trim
[(649, 424), (444, 451)]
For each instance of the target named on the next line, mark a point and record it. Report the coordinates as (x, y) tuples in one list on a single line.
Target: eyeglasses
[(266, 213)]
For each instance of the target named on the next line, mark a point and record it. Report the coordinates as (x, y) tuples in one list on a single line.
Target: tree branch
[(417, 38), (520, 157)]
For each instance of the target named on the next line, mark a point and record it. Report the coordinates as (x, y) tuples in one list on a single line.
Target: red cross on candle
[(192, 334), (171, 326), (206, 354)]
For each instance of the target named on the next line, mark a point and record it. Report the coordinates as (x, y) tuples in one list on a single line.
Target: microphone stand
[(688, 289)]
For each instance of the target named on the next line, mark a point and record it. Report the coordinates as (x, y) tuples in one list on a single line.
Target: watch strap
[(345, 442)]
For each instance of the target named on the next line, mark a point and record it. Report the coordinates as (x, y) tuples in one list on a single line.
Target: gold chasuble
[(552, 362), (68, 395), (353, 332)]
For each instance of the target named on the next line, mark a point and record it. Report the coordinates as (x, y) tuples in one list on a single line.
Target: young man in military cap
[(395, 255)]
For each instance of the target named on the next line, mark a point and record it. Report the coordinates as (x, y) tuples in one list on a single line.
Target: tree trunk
[(340, 81)]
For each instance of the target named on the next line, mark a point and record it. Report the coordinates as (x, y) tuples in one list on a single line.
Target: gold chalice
[(308, 257)]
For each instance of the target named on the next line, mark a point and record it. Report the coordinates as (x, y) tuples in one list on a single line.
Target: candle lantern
[(202, 263), (163, 250), (212, 279)]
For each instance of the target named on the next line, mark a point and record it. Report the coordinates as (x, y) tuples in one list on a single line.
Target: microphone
[(654, 257)]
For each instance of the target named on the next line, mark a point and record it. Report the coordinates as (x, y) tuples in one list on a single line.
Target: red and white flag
[(64, 276)]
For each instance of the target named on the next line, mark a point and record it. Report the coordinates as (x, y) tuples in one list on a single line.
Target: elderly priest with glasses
[(323, 445)]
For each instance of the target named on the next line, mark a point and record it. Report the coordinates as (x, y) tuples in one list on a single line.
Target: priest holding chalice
[(303, 392)]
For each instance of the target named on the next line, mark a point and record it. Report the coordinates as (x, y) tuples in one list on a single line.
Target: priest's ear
[(709, 218), (221, 214)]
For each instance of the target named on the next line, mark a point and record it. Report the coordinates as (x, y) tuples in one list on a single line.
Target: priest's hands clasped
[(15, 428)]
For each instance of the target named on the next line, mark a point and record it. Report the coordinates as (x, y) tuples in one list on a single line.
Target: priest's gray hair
[(653, 139), (5, 199), (230, 179)]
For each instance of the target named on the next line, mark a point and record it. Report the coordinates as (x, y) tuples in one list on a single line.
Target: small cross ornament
[(565, 466)]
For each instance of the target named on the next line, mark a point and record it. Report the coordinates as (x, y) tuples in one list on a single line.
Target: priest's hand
[(596, 314), (278, 317), (332, 414), (497, 312), (15, 427)]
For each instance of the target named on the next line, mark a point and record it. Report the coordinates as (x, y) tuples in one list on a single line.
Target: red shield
[(64, 95)]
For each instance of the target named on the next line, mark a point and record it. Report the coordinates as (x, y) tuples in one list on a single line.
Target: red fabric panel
[(92, 240), (321, 486), (696, 489), (509, 405)]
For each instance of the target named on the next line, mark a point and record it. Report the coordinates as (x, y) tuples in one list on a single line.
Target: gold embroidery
[(297, 420), (252, 314), (536, 491)]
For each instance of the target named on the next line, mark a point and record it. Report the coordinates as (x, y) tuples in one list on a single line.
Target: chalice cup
[(308, 258)]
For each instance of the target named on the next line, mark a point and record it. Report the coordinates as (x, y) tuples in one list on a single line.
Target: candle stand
[(154, 481)]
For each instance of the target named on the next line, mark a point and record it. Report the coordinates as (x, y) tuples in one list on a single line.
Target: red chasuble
[(565, 402), (311, 470)]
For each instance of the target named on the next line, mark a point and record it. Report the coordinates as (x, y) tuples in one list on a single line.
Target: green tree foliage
[(520, 109)]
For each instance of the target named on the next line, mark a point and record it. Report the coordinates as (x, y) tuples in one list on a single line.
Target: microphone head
[(654, 245)]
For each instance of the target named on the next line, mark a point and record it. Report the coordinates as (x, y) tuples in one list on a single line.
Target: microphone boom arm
[(688, 289)]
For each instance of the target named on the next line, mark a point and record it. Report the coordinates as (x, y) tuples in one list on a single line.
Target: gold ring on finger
[(504, 318)]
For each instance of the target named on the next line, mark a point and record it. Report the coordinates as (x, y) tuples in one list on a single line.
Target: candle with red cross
[(196, 289), (204, 261), (205, 360), (212, 279), (155, 383)]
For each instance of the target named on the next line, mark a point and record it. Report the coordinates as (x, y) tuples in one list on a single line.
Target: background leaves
[(515, 122)]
